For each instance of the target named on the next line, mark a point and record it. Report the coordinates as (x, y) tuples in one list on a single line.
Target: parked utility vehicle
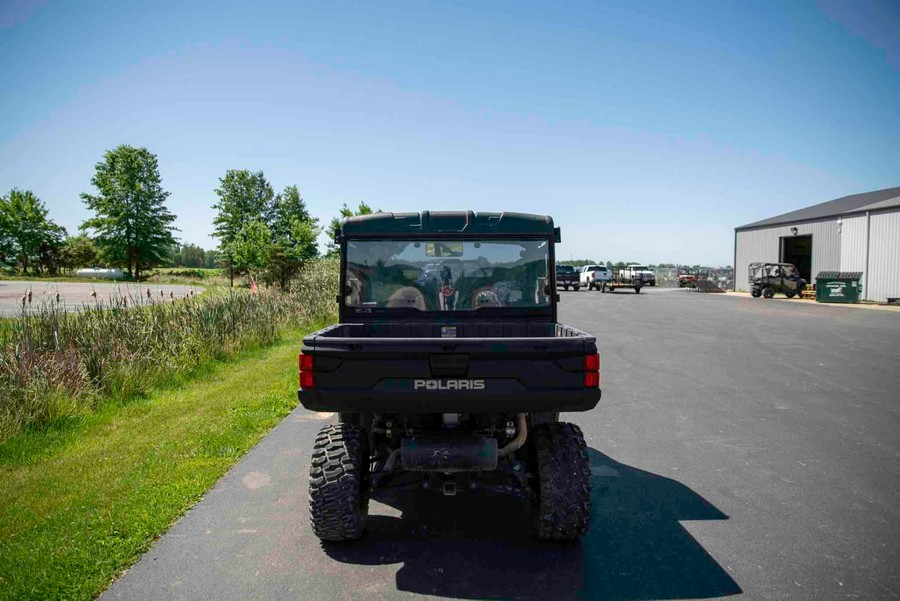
[(450, 384), (766, 279)]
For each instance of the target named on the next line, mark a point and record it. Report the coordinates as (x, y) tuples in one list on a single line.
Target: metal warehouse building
[(854, 233)]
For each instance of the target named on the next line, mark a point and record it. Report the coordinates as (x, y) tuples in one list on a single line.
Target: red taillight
[(592, 371), (307, 380), (307, 377)]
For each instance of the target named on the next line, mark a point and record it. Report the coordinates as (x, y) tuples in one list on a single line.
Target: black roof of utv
[(447, 222)]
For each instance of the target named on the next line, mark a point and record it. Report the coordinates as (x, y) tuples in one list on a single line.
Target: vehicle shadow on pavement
[(480, 545)]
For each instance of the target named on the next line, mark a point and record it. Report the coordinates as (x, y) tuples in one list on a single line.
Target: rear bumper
[(448, 402)]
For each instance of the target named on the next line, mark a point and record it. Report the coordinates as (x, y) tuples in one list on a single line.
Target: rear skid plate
[(448, 453)]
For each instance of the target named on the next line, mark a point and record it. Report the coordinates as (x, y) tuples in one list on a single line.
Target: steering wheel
[(486, 297)]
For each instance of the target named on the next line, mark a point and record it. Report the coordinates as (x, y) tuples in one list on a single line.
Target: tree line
[(259, 231)]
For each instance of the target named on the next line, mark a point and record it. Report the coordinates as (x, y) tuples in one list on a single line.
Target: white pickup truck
[(595, 277), (647, 275)]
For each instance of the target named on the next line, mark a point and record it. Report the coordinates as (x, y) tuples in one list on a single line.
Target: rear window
[(565, 269), (447, 275)]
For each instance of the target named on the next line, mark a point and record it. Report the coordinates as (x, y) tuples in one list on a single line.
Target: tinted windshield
[(447, 275)]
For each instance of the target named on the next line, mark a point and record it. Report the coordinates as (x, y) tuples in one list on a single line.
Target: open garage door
[(798, 251)]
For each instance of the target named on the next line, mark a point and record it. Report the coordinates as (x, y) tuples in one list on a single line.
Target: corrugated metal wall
[(884, 256), (764, 244), (853, 243)]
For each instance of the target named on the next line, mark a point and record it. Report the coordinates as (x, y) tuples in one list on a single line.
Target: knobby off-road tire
[(338, 501), (563, 495)]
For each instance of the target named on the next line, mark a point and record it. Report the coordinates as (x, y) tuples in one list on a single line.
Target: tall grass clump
[(56, 364)]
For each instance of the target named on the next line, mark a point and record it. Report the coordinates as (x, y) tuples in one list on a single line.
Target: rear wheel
[(755, 293), (575, 288), (768, 293), (338, 500), (563, 492), (637, 289), (789, 294), (566, 287)]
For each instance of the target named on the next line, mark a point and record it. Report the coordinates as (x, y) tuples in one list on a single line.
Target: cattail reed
[(55, 364)]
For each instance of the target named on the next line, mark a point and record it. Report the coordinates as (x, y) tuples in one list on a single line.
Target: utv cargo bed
[(463, 367)]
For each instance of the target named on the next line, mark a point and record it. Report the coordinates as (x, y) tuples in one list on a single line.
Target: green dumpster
[(838, 286)]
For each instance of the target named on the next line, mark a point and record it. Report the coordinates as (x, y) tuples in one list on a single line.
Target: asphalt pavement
[(72, 296), (743, 448)]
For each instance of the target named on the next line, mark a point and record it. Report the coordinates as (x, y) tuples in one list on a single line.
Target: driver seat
[(407, 297)]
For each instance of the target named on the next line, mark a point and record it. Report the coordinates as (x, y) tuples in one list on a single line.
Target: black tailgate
[(425, 375)]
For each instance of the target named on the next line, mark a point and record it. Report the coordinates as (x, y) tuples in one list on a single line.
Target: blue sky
[(649, 130)]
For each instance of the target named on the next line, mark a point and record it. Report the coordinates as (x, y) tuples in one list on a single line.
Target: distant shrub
[(188, 272)]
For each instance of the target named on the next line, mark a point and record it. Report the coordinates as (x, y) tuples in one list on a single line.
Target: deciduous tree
[(250, 246), (27, 236), (334, 227), (78, 251), (294, 233), (244, 197), (133, 227), (258, 229)]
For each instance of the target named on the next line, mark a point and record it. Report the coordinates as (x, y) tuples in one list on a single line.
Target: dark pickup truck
[(567, 276), (449, 370)]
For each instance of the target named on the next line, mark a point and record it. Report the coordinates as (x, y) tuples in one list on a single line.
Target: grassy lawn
[(82, 499)]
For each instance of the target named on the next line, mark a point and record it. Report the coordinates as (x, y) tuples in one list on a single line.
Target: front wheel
[(789, 294), (563, 491), (338, 500), (566, 288), (637, 289), (575, 288), (768, 293)]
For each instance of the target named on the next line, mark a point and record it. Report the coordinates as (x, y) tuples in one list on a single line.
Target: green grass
[(82, 498)]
